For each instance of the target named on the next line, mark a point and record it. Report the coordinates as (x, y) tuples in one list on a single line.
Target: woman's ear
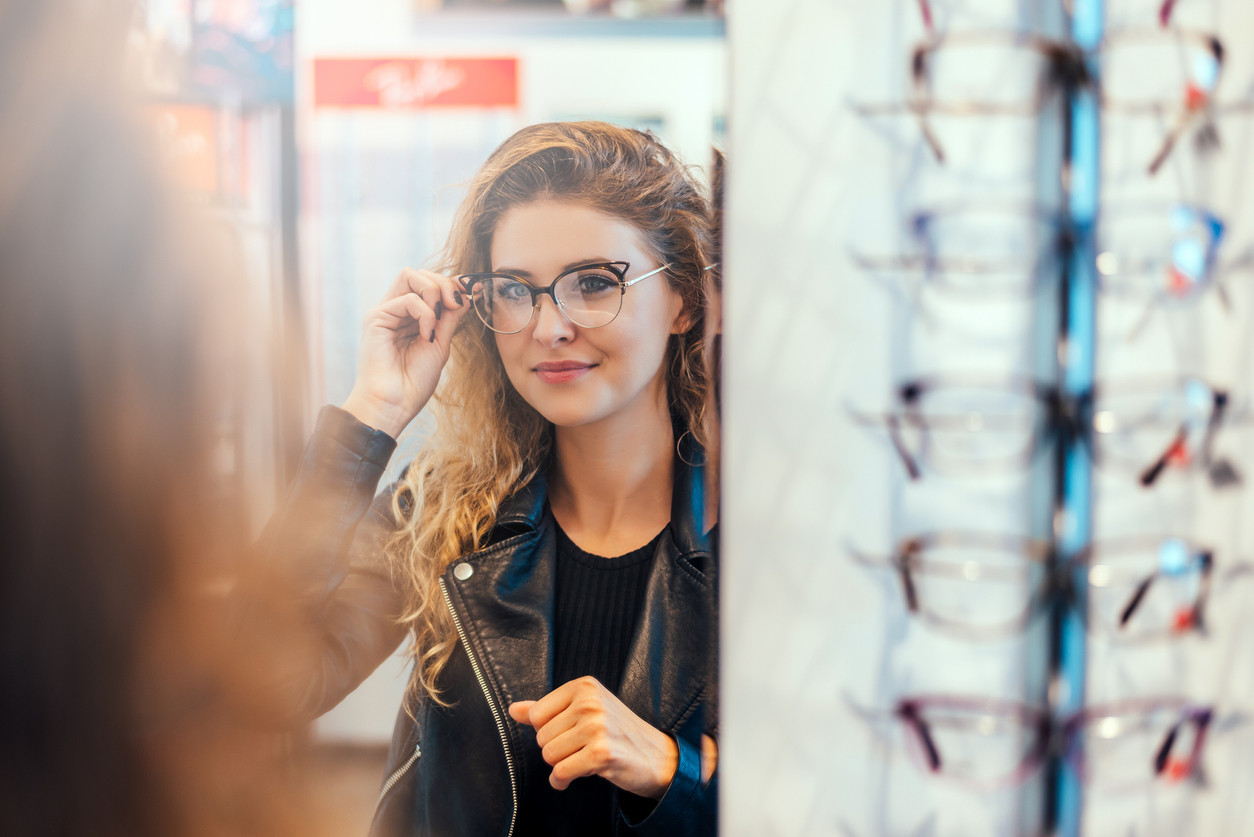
[(684, 319)]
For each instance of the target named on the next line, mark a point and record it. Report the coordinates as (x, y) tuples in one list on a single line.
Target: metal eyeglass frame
[(1058, 415), (1048, 735), (929, 18), (1067, 70), (908, 562), (619, 269)]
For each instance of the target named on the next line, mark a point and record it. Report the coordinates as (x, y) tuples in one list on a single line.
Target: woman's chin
[(570, 411)]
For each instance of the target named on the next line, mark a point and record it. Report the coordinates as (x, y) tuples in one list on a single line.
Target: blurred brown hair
[(122, 709)]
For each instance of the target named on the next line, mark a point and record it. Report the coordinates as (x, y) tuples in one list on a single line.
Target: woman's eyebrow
[(526, 274)]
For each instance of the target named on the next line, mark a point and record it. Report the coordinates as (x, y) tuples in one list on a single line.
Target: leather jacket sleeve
[(324, 551), (688, 807)]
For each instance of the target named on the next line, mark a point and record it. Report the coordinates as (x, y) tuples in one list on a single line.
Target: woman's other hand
[(404, 346), (585, 730)]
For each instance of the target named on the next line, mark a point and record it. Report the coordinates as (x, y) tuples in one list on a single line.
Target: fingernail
[(433, 335), (457, 295), (439, 309)]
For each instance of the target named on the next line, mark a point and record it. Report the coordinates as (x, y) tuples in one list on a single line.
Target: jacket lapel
[(506, 606), (667, 670)]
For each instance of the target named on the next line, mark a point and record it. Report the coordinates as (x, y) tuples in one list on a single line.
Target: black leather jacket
[(458, 771)]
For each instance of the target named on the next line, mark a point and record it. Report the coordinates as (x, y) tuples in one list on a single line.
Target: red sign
[(411, 83)]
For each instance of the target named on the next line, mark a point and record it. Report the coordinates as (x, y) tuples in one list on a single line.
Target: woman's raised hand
[(404, 346)]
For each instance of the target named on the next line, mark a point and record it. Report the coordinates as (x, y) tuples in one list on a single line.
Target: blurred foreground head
[(123, 701)]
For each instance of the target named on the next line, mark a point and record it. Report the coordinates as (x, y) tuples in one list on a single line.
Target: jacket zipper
[(487, 693), (396, 776)]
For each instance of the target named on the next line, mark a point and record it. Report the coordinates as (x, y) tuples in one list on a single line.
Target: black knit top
[(597, 604)]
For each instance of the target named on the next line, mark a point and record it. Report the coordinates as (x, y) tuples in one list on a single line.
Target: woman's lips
[(562, 371)]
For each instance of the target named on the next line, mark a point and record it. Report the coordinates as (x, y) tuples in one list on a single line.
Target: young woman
[(549, 553)]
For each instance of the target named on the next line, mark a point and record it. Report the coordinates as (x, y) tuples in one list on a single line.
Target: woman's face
[(577, 376)]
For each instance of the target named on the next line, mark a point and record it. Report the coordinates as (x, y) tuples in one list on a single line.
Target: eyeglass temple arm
[(1151, 474), (1138, 596), (907, 459), (631, 282), (1219, 407), (909, 714), (1164, 12), (925, 11), (1142, 589), (1190, 110), (1162, 758)]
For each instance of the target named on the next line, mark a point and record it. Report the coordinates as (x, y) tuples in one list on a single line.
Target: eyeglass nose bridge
[(551, 291)]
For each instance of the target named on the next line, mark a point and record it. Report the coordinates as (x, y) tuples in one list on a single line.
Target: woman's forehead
[(549, 236)]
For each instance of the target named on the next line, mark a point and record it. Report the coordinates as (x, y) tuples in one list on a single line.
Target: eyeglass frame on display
[(1063, 414), (618, 268), (1057, 245), (925, 11), (1057, 581), (1048, 736), (1068, 72)]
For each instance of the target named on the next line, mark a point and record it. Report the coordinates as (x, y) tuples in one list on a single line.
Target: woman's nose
[(552, 327)]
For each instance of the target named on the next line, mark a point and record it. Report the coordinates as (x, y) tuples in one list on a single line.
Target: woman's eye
[(596, 283), (512, 290)]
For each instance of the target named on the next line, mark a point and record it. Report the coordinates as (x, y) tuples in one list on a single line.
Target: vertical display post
[(1077, 358)]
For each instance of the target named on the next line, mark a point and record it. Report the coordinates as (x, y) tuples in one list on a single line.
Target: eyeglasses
[(978, 428), (1165, 11), (1166, 252), (1196, 60), (980, 586), (999, 74), (977, 250), (590, 296), (986, 744)]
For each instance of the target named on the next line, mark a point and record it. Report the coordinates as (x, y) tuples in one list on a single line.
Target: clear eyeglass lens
[(1122, 751), (975, 745), (963, 76), (590, 297), (502, 302), (1135, 428), (961, 430), (1146, 254), (1144, 592), (982, 251), (977, 589), (1159, 69)]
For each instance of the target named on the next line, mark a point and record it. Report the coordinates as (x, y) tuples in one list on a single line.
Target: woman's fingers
[(564, 743), (440, 292), (587, 761), (520, 711), (565, 721), (547, 708), (402, 314)]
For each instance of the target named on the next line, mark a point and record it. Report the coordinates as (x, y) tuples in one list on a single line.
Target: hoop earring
[(679, 443)]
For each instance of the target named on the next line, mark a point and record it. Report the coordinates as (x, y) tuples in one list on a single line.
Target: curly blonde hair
[(488, 441)]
